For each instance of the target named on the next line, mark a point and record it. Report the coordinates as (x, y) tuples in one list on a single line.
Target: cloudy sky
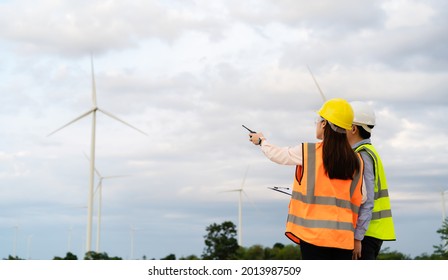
[(189, 73)]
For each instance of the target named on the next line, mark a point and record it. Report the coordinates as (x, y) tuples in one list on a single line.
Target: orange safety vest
[(323, 211)]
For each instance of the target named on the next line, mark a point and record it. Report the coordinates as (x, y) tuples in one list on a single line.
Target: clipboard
[(284, 190)]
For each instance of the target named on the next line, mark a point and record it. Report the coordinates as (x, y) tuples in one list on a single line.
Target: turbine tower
[(240, 208), (132, 231), (93, 111), (443, 205), (16, 232)]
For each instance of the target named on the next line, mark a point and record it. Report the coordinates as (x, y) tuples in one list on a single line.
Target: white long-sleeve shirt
[(282, 155)]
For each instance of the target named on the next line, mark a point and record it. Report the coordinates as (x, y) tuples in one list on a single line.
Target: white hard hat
[(364, 114)]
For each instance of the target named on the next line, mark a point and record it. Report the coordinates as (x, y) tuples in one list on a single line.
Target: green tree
[(385, 254), (68, 256), (277, 252), (190, 257), (220, 242), (288, 252), (441, 250), (425, 256), (169, 257), (13, 258), (255, 252), (91, 255)]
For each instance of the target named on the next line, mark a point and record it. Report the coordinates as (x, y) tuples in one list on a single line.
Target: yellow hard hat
[(338, 111)]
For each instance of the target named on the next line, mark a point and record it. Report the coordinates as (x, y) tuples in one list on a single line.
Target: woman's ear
[(324, 123)]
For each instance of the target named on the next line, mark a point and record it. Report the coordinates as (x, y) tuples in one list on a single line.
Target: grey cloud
[(95, 26)]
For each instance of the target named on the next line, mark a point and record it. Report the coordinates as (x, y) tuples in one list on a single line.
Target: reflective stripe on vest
[(323, 220), (381, 225)]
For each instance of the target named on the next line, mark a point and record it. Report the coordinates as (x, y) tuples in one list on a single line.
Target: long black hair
[(340, 161)]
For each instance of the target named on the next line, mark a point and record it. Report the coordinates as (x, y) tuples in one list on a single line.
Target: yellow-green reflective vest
[(381, 225)]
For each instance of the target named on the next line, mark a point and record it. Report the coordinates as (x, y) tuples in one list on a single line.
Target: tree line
[(221, 244)]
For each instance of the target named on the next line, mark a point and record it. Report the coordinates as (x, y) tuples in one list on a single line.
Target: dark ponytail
[(340, 161)]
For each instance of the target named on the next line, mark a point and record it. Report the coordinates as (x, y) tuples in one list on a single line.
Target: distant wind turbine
[(28, 247), (443, 205), (69, 241), (99, 189), (132, 233), (93, 111), (240, 208), (16, 232)]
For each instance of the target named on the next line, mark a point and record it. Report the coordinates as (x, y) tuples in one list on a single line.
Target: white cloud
[(408, 13)]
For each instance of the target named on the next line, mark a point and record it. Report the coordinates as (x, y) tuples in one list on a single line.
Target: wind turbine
[(132, 231), (16, 232), (240, 208), (69, 240), (443, 205), (93, 111), (99, 188), (28, 247)]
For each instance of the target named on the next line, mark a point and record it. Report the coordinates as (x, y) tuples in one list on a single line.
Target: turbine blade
[(98, 173), (116, 118), (245, 194), (317, 85), (93, 82), (98, 186), (244, 178), (78, 118), (117, 176), (234, 190), (96, 170), (251, 201)]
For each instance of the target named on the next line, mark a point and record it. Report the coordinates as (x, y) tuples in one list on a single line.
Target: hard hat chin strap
[(337, 128), (365, 126)]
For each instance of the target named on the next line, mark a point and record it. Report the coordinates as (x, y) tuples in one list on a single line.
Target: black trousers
[(313, 252), (370, 248)]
